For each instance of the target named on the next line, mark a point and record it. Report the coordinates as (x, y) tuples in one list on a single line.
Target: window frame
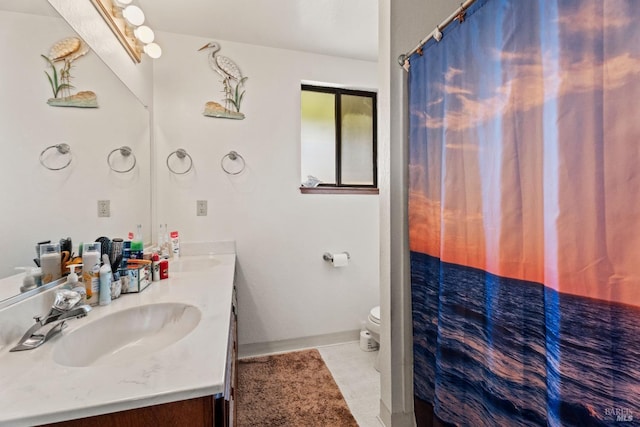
[(338, 186)]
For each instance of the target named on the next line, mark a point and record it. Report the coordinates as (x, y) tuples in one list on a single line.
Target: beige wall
[(285, 289)]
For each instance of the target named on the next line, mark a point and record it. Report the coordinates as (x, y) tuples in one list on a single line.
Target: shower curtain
[(524, 215)]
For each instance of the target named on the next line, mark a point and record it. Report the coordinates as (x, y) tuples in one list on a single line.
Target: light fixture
[(130, 31), (144, 34), (134, 15), (153, 50)]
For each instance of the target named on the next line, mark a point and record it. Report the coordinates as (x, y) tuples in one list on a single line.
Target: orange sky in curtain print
[(540, 177)]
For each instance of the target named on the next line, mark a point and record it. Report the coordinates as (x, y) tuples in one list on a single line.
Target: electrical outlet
[(104, 208), (201, 207)]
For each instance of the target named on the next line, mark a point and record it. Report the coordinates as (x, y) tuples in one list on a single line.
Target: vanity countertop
[(36, 390)]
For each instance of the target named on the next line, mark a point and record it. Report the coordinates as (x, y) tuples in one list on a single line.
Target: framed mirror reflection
[(38, 203)]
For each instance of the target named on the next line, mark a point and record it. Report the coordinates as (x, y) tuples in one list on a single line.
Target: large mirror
[(41, 204)]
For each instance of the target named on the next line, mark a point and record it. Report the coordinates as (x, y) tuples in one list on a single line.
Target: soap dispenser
[(73, 284), (72, 278), (32, 278)]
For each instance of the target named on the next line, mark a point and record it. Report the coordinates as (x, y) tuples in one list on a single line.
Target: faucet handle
[(66, 299)]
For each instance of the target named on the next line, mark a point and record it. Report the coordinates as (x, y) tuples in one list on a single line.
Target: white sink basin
[(126, 335)]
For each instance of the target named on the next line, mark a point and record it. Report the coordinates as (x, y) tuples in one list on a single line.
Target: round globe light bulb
[(134, 15), (122, 3), (153, 50), (144, 34)]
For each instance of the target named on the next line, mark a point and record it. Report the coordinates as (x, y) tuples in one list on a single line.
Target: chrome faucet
[(53, 323)]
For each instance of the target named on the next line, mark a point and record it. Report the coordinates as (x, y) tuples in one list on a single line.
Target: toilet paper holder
[(329, 257)]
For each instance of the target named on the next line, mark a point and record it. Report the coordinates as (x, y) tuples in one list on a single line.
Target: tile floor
[(356, 377)]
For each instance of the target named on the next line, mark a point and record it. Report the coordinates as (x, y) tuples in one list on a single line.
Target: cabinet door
[(234, 367), (192, 412), (231, 377)]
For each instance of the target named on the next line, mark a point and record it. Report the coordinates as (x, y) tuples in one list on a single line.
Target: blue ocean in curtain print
[(515, 353)]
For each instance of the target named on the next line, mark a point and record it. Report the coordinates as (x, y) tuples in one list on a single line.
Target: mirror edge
[(24, 295)]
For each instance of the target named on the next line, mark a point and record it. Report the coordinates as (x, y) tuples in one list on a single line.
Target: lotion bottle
[(175, 244), (105, 281), (50, 262)]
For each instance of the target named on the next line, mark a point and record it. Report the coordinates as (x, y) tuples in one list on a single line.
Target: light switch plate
[(104, 208), (201, 207)]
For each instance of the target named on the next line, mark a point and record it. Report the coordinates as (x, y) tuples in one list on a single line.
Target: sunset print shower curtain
[(524, 215)]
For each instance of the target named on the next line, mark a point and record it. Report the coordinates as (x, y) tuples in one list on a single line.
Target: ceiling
[(40, 7), (347, 28)]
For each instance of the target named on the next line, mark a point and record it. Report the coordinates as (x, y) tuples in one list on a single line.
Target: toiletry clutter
[(110, 267)]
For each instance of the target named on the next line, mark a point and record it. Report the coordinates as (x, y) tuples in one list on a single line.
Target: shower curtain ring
[(437, 34)]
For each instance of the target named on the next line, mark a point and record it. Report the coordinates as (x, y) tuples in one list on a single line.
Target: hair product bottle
[(91, 271)]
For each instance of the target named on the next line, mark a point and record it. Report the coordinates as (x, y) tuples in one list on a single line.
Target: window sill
[(338, 190)]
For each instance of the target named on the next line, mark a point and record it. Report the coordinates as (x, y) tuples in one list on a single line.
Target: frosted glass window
[(318, 135), (357, 140), (338, 137)]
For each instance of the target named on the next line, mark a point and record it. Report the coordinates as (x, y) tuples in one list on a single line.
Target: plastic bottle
[(160, 242), (105, 281), (166, 244), (155, 268), (50, 262), (137, 244), (175, 244), (91, 271), (164, 269)]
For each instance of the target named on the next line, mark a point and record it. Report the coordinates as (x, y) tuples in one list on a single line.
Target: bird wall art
[(232, 81), (66, 52)]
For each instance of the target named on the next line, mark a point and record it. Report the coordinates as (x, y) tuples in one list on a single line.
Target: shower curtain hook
[(437, 34), (461, 14)]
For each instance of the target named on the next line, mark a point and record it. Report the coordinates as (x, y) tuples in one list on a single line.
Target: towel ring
[(125, 152), (181, 153), (63, 149), (232, 155)]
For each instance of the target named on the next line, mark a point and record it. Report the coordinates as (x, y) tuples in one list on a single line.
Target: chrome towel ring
[(63, 149), (125, 152), (180, 153), (233, 156)]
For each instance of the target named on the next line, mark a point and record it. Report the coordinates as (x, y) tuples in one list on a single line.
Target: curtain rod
[(403, 59)]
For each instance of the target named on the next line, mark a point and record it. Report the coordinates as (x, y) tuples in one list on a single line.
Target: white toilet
[(373, 326)]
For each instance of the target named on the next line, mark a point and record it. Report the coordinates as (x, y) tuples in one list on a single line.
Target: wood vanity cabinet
[(206, 411)]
